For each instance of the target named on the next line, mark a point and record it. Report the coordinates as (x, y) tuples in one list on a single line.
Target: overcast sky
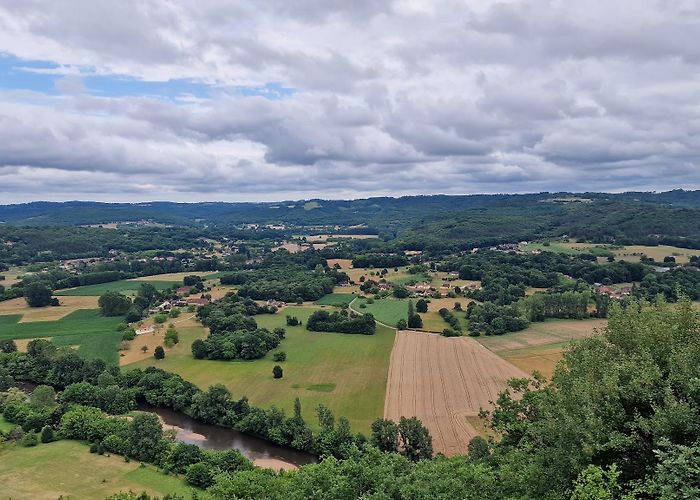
[(265, 100)]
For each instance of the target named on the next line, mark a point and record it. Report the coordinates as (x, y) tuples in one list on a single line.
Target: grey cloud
[(391, 98)]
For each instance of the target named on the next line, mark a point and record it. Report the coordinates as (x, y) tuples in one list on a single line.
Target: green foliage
[(279, 356), (159, 319), (30, 439), (422, 306), (323, 321), (159, 352), (47, 434), (171, 337), (277, 371), (114, 304), (37, 294)]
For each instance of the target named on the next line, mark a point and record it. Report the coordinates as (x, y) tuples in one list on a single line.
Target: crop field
[(68, 305), (345, 372), (115, 286), (343, 263), (95, 335), (444, 382), (207, 275), (336, 299), (542, 358), (66, 469), (553, 331)]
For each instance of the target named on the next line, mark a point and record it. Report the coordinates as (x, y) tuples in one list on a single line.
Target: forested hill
[(379, 213)]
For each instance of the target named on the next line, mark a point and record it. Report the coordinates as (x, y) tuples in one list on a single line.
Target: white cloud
[(390, 98)]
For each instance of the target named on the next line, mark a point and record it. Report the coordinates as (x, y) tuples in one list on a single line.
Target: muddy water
[(213, 437)]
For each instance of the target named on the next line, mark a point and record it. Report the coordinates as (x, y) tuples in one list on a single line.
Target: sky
[(225, 100)]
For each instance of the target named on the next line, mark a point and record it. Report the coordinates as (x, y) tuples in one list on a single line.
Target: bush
[(422, 306), (174, 313), (30, 439), (293, 321), (129, 334), (200, 475), (47, 434), (277, 371), (160, 318), (279, 356), (401, 324), (171, 337), (159, 352)]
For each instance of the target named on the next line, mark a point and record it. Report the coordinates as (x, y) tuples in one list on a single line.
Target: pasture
[(66, 469), (121, 286), (345, 372), (336, 299), (444, 382), (94, 334), (68, 305), (11, 276), (207, 275), (389, 311)]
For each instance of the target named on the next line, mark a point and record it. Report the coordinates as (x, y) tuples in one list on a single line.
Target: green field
[(116, 286), (346, 372), (409, 279), (67, 469), (95, 334), (336, 299), (387, 311)]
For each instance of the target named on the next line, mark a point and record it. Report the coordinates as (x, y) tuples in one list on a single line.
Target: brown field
[(23, 343), (29, 314), (444, 382), (448, 303), (539, 334), (633, 253), (543, 358), (343, 263), (155, 339), (11, 276)]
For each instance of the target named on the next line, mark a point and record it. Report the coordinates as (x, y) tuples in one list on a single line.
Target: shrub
[(277, 371), (30, 439), (401, 324), (200, 475), (159, 352), (160, 319), (422, 306), (129, 334), (293, 321), (47, 434), (279, 356)]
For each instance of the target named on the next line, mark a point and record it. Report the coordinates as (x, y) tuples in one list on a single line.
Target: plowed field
[(442, 381)]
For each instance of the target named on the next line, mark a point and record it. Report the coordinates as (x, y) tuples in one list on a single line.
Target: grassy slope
[(357, 366), (390, 311), (5, 425), (66, 468), (116, 286), (95, 334)]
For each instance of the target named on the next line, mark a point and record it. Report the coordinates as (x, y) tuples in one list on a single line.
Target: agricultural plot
[(541, 346), (343, 263), (336, 299), (95, 335), (444, 382), (11, 276), (68, 305), (345, 372), (387, 311), (122, 286), (66, 469)]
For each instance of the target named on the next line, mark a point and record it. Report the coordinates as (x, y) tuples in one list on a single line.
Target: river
[(261, 452)]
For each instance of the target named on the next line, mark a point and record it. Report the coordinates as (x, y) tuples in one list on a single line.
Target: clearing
[(48, 313), (345, 372), (343, 263), (444, 382), (336, 299), (95, 334), (67, 469)]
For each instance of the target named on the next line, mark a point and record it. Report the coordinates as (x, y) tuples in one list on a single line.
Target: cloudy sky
[(277, 99)]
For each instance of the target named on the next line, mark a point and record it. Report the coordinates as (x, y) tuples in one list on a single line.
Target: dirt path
[(442, 381)]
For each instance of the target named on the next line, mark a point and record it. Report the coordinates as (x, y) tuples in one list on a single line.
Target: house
[(385, 285), (275, 303), (422, 287), (183, 290), (145, 329)]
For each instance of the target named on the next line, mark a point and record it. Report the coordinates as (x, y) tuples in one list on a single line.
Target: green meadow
[(93, 334), (345, 372), (66, 469), (115, 286)]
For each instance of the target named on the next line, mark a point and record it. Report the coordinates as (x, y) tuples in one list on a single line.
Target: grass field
[(540, 346), (11, 276), (387, 311), (95, 335), (336, 299), (404, 278), (115, 286), (67, 469), (207, 275), (345, 372), (68, 305)]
